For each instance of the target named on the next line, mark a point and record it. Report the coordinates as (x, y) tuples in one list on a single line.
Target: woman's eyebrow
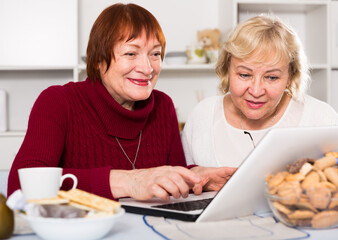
[(138, 46), (274, 70), (242, 66), (249, 69)]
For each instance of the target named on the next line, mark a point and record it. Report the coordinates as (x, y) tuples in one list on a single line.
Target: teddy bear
[(210, 41)]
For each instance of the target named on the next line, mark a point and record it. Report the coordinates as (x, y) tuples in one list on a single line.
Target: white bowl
[(73, 228)]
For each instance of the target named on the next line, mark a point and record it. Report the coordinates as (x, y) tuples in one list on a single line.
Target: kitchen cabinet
[(38, 48), (42, 43)]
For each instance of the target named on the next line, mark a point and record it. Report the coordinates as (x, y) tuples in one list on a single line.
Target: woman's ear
[(102, 67)]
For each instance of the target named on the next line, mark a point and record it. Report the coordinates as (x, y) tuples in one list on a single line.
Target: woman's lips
[(140, 82), (254, 104)]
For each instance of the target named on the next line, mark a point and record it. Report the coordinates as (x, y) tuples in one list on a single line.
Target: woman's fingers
[(177, 181), (188, 175), (181, 184), (227, 171), (175, 184), (169, 185), (197, 189), (212, 179), (159, 192)]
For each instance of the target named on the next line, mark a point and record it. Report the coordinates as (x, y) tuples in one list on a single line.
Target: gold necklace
[(138, 147)]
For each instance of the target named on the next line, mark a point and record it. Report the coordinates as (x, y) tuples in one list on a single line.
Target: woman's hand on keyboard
[(212, 178), (143, 184)]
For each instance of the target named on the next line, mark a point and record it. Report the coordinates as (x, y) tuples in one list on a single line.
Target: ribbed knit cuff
[(99, 182)]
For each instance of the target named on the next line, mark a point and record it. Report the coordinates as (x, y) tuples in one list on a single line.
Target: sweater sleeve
[(44, 139), (44, 144)]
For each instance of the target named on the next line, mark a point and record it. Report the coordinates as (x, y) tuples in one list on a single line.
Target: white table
[(132, 226)]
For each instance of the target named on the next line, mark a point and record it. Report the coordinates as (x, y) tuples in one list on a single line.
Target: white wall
[(33, 31), (180, 19)]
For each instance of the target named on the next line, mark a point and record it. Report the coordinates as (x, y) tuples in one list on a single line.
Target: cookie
[(275, 180), (306, 168), (80, 206), (334, 201), (90, 200), (297, 165), (297, 177), (301, 214), (319, 197), (281, 208), (322, 176), (327, 185), (306, 222), (324, 162), (331, 175), (333, 154), (310, 180), (290, 191), (304, 204), (49, 201), (325, 219)]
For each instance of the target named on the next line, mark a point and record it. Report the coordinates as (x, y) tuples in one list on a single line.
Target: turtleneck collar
[(117, 120)]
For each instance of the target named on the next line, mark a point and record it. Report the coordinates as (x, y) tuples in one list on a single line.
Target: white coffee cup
[(42, 182)]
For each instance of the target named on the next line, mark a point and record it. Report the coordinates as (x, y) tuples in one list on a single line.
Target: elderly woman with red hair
[(117, 134)]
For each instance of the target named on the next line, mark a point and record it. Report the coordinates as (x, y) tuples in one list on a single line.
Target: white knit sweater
[(209, 140)]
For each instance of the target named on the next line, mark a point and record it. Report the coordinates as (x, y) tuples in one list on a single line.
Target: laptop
[(243, 194)]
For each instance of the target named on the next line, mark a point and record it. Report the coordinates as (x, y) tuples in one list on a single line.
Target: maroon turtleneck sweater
[(74, 127)]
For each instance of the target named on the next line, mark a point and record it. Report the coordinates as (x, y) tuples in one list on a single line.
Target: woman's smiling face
[(133, 73), (256, 89)]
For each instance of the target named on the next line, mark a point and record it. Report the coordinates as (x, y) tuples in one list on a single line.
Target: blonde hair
[(258, 37)]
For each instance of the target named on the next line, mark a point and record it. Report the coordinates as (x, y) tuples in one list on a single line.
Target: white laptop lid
[(243, 194)]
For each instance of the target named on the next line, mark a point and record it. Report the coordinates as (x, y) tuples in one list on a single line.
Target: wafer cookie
[(325, 162), (49, 201), (90, 200)]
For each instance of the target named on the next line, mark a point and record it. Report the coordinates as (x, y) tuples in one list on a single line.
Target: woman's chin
[(141, 96)]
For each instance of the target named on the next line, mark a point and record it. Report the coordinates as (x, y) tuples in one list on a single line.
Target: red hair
[(116, 23)]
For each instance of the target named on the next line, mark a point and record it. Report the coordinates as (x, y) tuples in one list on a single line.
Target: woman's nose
[(257, 87), (144, 66)]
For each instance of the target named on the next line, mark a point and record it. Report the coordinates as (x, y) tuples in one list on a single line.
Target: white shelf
[(173, 67), (35, 68), (178, 67), (318, 66), (13, 134), (280, 6)]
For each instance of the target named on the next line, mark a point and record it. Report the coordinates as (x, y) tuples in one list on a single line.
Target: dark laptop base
[(159, 213)]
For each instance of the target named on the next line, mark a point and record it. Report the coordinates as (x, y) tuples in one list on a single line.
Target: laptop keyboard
[(186, 206)]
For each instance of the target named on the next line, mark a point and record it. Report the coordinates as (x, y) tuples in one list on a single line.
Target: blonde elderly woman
[(264, 77)]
